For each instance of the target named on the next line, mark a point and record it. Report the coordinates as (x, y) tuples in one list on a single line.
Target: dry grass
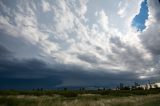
[(82, 100)]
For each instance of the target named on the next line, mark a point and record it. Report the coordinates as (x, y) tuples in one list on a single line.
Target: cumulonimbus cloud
[(64, 34)]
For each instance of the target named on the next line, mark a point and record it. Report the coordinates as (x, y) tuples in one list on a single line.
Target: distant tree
[(126, 88), (146, 87), (139, 88), (117, 88), (82, 89), (155, 86), (150, 85), (65, 89), (41, 89), (136, 84), (99, 89), (132, 87)]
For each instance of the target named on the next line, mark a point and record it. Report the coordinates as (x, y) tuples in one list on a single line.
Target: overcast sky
[(57, 43)]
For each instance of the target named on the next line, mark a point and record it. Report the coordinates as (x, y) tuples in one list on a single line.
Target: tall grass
[(75, 93), (80, 98), (149, 100)]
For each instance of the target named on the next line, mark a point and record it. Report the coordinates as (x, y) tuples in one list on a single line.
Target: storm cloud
[(70, 43)]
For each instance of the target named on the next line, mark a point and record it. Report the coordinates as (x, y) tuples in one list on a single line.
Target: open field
[(81, 99)]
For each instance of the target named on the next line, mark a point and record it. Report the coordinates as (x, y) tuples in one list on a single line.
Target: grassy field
[(68, 98)]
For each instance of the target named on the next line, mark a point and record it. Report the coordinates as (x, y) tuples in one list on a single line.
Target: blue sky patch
[(139, 20)]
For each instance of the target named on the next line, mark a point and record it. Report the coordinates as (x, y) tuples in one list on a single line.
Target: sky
[(139, 19), (78, 43)]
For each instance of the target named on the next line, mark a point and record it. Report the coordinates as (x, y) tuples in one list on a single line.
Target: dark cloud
[(26, 74), (29, 83), (129, 55), (33, 73), (151, 36), (35, 51), (88, 58), (18, 47), (4, 53)]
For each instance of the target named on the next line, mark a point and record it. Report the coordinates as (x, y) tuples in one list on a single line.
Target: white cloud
[(45, 6), (108, 43), (103, 20), (122, 9)]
